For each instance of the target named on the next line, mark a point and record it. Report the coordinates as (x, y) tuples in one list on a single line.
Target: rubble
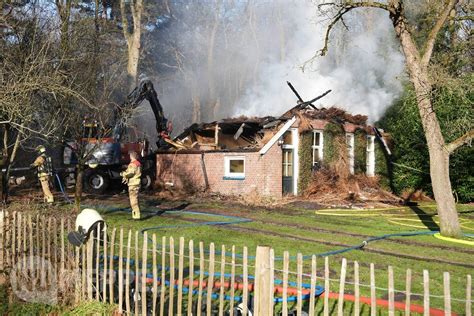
[(252, 133)]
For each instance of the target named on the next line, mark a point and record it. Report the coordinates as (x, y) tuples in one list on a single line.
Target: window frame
[(233, 175), (370, 151), (350, 143), (287, 166), (319, 148)]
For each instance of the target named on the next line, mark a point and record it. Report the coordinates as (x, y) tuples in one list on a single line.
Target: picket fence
[(145, 275)]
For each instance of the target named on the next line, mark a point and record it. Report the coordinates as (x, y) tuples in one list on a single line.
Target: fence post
[(313, 285), (263, 303), (106, 269), (90, 244), (246, 283), (120, 270), (180, 275), (172, 279), (286, 267), (408, 293), (447, 294), (191, 278), (426, 293), (340, 303), (163, 275), (144, 272), (111, 266), (391, 292), (299, 283), (127, 273), (356, 289), (468, 296), (222, 280), (232, 279), (373, 303), (326, 286), (155, 276), (210, 280), (97, 264)]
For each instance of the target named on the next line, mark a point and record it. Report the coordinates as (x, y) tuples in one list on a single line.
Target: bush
[(453, 105)]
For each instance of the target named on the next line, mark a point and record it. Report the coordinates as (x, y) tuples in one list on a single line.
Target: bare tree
[(418, 62), (132, 37)]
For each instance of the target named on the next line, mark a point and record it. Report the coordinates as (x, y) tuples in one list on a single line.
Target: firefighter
[(132, 177), (44, 169)]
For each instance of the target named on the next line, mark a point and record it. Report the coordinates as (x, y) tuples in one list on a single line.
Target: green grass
[(291, 230), (304, 231)]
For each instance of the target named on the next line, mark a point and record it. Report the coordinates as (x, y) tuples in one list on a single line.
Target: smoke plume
[(362, 68)]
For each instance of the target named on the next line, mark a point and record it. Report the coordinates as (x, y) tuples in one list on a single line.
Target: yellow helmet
[(41, 149)]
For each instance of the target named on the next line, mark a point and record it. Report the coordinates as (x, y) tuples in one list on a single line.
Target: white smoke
[(363, 69)]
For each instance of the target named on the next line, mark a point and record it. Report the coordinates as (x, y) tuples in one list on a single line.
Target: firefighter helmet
[(41, 149)]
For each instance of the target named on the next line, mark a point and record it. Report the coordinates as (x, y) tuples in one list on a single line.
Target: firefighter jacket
[(133, 173), (43, 165)]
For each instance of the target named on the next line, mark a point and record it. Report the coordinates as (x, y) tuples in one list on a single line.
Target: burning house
[(270, 156)]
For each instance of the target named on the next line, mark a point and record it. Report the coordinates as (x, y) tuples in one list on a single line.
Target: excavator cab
[(108, 148)]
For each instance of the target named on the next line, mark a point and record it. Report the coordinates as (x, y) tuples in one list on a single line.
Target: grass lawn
[(309, 231)]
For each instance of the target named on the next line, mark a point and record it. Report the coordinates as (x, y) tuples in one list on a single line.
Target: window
[(287, 163), (350, 151), (234, 167), (317, 147), (288, 138), (370, 156)]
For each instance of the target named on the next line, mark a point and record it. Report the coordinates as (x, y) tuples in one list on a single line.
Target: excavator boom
[(144, 90)]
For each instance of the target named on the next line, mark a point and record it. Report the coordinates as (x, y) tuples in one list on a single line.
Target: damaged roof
[(252, 133)]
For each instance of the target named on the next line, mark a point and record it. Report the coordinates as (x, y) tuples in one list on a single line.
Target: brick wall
[(263, 174)]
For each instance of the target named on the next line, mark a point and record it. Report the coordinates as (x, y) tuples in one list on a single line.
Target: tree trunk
[(439, 156), (210, 68), (133, 39), (64, 10), (133, 58)]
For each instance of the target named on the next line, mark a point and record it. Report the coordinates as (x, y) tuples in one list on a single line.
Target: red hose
[(384, 303), (294, 291)]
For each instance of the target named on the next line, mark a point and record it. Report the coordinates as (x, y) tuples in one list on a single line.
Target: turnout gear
[(132, 177), (44, 168)]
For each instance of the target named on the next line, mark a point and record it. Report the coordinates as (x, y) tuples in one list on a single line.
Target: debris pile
[(329, 186), (252, 133)]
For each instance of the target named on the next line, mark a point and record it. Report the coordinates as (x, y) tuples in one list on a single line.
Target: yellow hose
[(394, 218), (459, 241)]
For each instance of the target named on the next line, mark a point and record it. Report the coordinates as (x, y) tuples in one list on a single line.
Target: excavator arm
[(145, 90)]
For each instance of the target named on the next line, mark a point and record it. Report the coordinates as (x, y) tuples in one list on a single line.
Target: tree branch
[(343, 9), (464, 139), (428, 51)]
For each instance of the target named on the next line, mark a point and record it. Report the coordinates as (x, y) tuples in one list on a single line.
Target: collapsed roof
[(252, 133)]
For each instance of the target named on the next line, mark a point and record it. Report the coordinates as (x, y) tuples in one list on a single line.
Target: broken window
[(234, 167), (317, 147), (350, 151), (288, 138), (370, 171)]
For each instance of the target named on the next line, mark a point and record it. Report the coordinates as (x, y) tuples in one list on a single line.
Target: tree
[(50, 86), (418, 62), (133, 38)]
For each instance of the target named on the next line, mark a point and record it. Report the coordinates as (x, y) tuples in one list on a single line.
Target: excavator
[(107, 154)]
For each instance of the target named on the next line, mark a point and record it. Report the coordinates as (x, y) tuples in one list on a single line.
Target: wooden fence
[(149, 275)]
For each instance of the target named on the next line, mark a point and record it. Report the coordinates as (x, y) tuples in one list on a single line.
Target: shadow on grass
[(426, 219), (161, 211)]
